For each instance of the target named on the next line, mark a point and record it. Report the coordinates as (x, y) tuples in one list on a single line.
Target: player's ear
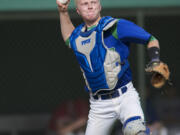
[(100, 7), (77, 11)]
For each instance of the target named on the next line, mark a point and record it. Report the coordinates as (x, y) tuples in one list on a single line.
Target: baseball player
[(101, 46)]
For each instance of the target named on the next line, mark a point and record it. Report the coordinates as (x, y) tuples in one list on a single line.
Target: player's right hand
[(62, 7)]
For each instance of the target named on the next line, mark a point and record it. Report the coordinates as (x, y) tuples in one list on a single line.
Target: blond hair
[(77, 1)]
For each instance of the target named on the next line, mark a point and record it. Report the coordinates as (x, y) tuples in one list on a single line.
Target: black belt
[(110, 94)]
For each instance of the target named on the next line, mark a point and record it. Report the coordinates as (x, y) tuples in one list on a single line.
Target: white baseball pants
[(103, 113)]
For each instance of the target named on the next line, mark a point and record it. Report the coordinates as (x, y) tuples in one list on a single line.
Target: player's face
[(89, 10)]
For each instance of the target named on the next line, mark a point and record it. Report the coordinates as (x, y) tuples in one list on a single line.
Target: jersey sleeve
[(129, 32), (67, 42)]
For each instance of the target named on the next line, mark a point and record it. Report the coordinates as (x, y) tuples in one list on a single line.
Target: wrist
[(62, 8), (154, 54), (62, 11)]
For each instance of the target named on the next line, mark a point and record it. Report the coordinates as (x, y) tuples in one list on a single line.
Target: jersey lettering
[(86, 42)]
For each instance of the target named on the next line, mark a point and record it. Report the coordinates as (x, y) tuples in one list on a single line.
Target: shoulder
[(77, 29), (76, 32), (106, 23), (114, 23), (124, 22)]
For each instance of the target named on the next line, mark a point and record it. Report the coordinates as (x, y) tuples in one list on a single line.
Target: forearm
[(66, 25), (65, 22), (153, 43)]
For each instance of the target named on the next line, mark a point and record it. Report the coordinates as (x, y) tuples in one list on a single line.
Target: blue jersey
[(102, 57)]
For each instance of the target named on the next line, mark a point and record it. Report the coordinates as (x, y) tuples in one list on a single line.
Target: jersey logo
[(86, 42)]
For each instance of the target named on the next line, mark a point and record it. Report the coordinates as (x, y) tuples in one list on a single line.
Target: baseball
[(63, 1)]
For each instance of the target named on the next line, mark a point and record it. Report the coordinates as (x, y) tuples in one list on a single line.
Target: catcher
[(101, 46)]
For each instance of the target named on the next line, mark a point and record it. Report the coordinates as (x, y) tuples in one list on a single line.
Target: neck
[(89, 24)]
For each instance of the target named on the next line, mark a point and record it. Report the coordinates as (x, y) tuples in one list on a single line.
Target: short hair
[(77, 0)]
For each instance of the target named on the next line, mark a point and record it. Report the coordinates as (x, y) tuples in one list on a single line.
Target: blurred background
[(41, 85)]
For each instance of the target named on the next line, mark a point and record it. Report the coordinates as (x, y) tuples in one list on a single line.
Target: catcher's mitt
[(160, 73)]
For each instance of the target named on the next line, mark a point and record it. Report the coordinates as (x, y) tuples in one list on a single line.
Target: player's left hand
[(160, 73)]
